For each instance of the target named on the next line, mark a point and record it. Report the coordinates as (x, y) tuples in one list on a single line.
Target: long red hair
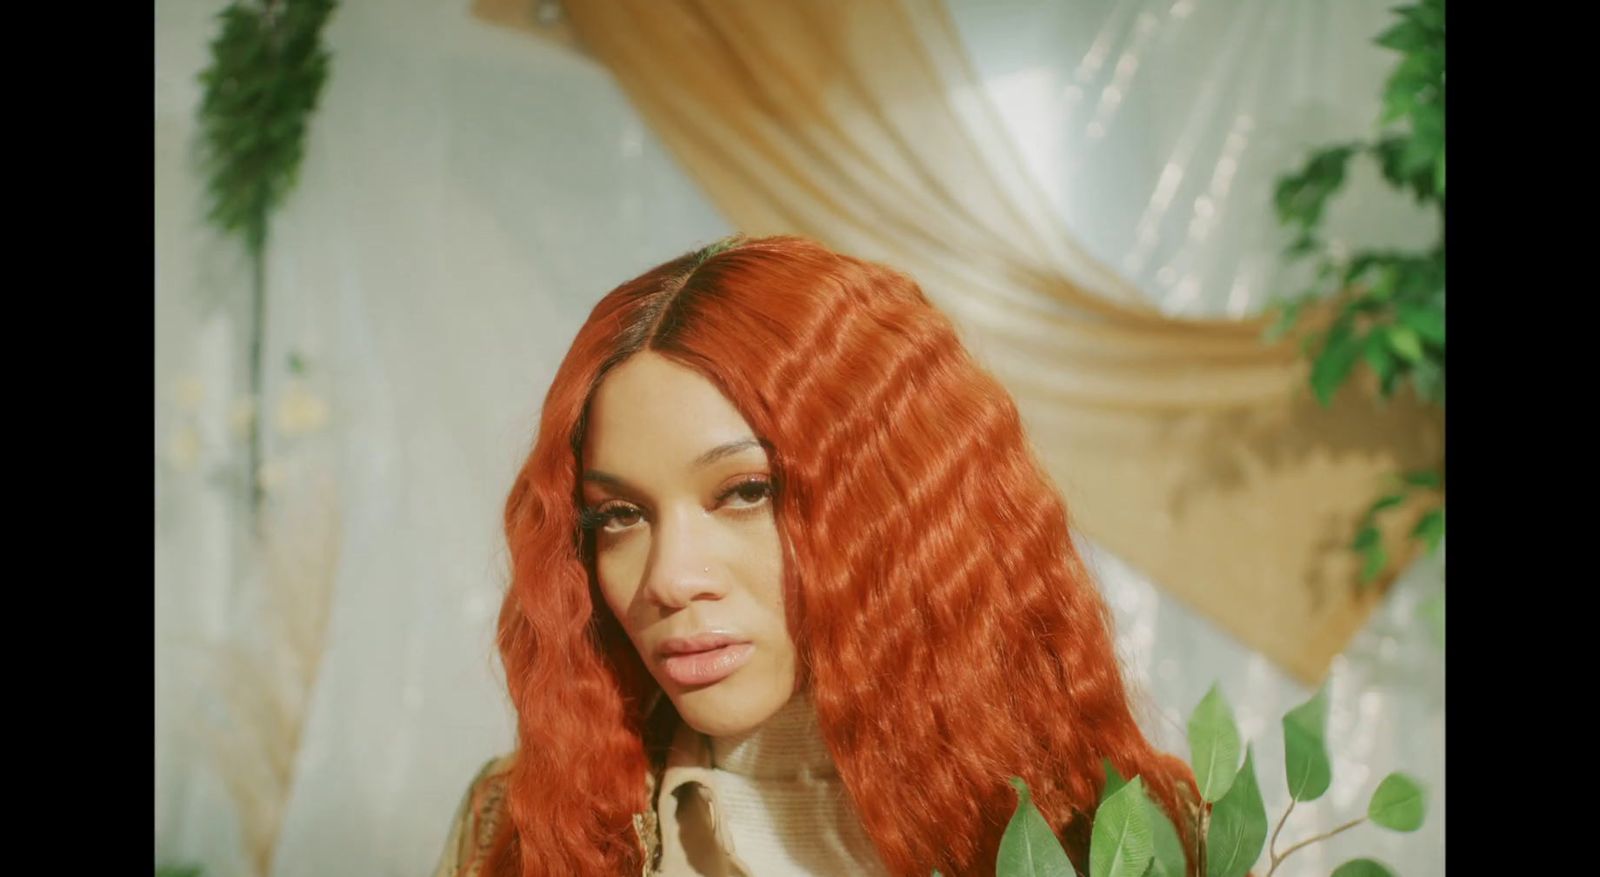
[(948, 632)]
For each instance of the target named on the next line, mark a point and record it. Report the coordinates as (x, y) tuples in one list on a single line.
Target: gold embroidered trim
[(485, 809)]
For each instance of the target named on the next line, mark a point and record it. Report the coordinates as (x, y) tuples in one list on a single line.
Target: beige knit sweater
[(784, 810), (765, 804)]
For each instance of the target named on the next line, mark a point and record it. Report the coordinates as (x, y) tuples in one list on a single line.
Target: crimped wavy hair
[(948, 632)]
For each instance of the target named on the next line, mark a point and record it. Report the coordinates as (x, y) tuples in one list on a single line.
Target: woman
[(790, 594)]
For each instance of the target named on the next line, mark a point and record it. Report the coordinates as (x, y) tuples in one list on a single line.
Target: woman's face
[(678, 493)]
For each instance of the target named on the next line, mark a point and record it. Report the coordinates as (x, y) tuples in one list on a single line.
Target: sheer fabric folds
[(1187, 446)]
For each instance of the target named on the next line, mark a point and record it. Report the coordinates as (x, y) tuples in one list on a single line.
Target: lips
[(704, 658)]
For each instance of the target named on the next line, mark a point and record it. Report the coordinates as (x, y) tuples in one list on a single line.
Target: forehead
[(654, 413)]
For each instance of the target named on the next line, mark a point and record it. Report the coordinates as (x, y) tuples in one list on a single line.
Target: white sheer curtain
[(467, 194), (1158, 128)]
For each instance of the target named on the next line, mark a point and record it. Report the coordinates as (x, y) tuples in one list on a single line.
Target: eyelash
[(595, 518)]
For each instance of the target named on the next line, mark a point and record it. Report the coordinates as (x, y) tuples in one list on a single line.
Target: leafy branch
[(1389, 312), (1133, 837)]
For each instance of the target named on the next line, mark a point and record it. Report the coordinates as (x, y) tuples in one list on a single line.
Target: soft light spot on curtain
[(1039, 122)]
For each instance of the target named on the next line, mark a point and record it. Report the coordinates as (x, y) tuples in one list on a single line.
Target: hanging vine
[(1391, 313), (268, 67), (267, 70)]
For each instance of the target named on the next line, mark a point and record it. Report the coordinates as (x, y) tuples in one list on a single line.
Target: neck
[(785, 746)]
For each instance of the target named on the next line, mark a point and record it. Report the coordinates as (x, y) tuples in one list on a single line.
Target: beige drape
[(1187, 447)]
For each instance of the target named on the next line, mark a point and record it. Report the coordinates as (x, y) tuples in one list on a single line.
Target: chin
[(730, 707)]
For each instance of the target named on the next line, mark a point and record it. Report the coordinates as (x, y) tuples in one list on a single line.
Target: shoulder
[(480, 813)]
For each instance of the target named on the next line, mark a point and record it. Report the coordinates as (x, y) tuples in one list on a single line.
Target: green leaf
[(1114, 780), (1386, 502), (1121, 844), (1362, 868), (1375, 350), (1238, 826), (1427, 140), (1405, 37), (1414, 90), (1404, 341), (1429, 478), (1301, 197), (1366, 537), (1029, 848), (1169, 859), (1397, 103), (1333, 364), (1391, 153), (1305, 754), (1430, 529), (1429, 16), (1398, 804), (1438, 174), (1427, 322), (1213, 745)]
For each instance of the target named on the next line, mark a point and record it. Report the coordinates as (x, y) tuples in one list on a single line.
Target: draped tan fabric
[(1188, 447)]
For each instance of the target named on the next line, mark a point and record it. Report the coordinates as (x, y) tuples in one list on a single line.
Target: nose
[(682, 568)]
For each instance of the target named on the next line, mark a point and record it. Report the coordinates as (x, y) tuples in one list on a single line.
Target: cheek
[(618, 583), (764, 569)]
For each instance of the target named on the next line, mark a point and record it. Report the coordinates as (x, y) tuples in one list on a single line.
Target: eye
[(748, 493), (611, 517)]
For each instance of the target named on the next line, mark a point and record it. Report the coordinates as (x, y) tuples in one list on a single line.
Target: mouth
[(704, 659)]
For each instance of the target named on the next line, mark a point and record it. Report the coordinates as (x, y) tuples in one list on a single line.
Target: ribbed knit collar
[(788, 745)]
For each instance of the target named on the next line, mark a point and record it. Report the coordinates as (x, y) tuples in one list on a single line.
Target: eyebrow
[(725, 449)]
